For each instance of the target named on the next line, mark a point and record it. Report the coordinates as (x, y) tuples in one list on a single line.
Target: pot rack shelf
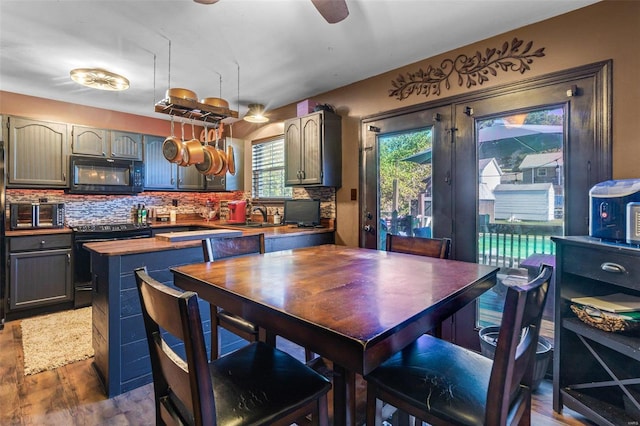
[(193, 110)]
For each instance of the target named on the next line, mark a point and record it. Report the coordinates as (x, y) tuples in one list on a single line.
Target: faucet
[(262, 210)]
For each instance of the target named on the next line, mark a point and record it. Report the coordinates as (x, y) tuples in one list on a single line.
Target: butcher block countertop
[(144, 245)]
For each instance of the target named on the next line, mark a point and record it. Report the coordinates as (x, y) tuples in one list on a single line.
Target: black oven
[(82, 279)]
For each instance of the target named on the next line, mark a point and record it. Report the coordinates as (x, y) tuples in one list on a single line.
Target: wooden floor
[(72, 395)]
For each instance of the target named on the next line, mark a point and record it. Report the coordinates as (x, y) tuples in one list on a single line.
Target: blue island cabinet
[(119, 340)]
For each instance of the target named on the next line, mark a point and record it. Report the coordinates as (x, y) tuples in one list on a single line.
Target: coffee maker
[(237, 211)]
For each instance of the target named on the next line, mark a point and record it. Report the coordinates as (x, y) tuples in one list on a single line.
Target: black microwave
[(97, 175)]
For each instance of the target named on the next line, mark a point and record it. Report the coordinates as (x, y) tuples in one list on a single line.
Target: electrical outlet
[(174, 202)]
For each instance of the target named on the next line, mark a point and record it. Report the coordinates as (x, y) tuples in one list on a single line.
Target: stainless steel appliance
[(3, 278), (608, 207), (82, 279), (36, 215), (97, 175), (633, 223)]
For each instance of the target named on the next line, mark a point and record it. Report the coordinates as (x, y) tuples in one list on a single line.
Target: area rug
[(51, 341)]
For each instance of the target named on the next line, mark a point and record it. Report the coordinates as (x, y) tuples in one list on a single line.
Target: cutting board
[(197, 235)]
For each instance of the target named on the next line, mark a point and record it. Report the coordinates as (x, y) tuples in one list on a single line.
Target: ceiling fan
[(332, 11)]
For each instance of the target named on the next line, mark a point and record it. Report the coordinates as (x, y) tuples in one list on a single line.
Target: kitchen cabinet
[(595, 372), (37, 153), (161, 174), (313, 150), (39, 270), (106, 143)]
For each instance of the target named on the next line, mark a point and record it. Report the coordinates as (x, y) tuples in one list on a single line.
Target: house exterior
[(547, 167), (530, 202), (489, 175)]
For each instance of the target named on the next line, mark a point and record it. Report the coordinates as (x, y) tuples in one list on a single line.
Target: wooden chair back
[(221, 248), (509, 392), (182, 385), (430, 247)]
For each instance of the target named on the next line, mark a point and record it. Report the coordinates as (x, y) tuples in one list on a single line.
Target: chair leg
[(308, 355), (213, 311), (374, 408)]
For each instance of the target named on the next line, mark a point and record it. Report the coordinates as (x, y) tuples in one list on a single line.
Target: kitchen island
[(119, 340)]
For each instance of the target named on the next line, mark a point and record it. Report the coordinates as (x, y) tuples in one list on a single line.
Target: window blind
[(268, 169)]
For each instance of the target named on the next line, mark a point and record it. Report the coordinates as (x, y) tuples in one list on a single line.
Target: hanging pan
[(172, 147)]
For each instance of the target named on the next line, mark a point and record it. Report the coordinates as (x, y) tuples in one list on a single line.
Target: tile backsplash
[(96, 209)]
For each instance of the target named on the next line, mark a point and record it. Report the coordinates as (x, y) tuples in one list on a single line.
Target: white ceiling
[(284, 49)]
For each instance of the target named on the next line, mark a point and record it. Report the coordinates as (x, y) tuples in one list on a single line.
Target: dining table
[(353, 306)]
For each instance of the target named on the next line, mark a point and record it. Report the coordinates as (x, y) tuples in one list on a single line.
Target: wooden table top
[(359, 297)]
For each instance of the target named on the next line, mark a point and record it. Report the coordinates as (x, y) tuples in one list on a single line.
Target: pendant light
[(256, 114)]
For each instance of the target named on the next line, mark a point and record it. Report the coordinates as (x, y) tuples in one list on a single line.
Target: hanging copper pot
[(193, 149), (231, 161), (172, 147), (212, 163)]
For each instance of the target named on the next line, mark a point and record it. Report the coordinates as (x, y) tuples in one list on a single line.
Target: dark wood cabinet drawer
[(607, 266), (40, 242)]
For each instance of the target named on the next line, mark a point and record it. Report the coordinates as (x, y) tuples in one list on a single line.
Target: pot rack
[(193, 110)]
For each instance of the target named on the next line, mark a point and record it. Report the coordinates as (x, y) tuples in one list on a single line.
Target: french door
[(579, 100)]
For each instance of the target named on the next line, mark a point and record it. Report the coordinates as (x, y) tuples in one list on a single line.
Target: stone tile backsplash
[(97, 209)]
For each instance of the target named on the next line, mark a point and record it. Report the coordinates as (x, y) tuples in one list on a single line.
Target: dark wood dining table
[(354, 306)]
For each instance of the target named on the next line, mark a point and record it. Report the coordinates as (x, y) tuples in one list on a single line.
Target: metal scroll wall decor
[(474, 69)]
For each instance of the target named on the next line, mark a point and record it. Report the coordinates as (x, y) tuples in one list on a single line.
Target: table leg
[(344, 396)]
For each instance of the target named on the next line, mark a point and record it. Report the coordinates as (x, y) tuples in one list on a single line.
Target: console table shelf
[(595, 372)]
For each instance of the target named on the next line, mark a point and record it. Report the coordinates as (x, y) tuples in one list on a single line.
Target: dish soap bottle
[(276, 218)]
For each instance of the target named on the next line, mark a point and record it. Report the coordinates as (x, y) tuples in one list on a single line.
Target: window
[(267, 158)]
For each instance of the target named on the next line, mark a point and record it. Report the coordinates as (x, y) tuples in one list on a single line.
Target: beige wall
[(605, 30)]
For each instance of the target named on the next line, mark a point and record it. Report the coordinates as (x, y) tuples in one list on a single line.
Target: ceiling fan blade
[(206, 1), (332, 10)]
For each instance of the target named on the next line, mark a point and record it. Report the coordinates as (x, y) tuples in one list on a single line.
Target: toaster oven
[(36, 215)]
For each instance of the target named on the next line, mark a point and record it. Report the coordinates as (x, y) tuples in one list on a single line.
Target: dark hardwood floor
[(72, 395)]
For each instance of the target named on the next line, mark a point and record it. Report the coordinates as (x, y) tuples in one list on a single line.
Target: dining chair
[(430, 247), (444, 384), (257, 384), (222, 248)]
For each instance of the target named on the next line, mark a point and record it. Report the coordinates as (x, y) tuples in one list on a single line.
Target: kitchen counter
[(38, 231), (145, 245)]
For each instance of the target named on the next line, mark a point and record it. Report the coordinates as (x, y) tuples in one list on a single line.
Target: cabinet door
[(311, 152), (292, 152), (236, 182), (89, 141), (126, 145), (190, 178), (159, 173), (38, 153), (39, 278)]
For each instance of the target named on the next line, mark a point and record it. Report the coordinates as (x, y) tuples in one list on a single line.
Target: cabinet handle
[(613, 267)]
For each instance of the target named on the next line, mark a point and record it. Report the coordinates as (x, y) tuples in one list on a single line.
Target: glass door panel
[(405, 196), (520, 201)]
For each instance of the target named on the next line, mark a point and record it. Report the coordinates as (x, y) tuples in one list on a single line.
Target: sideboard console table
[(595, 372)]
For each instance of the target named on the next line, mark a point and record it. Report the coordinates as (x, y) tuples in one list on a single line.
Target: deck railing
[(506, 245)]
